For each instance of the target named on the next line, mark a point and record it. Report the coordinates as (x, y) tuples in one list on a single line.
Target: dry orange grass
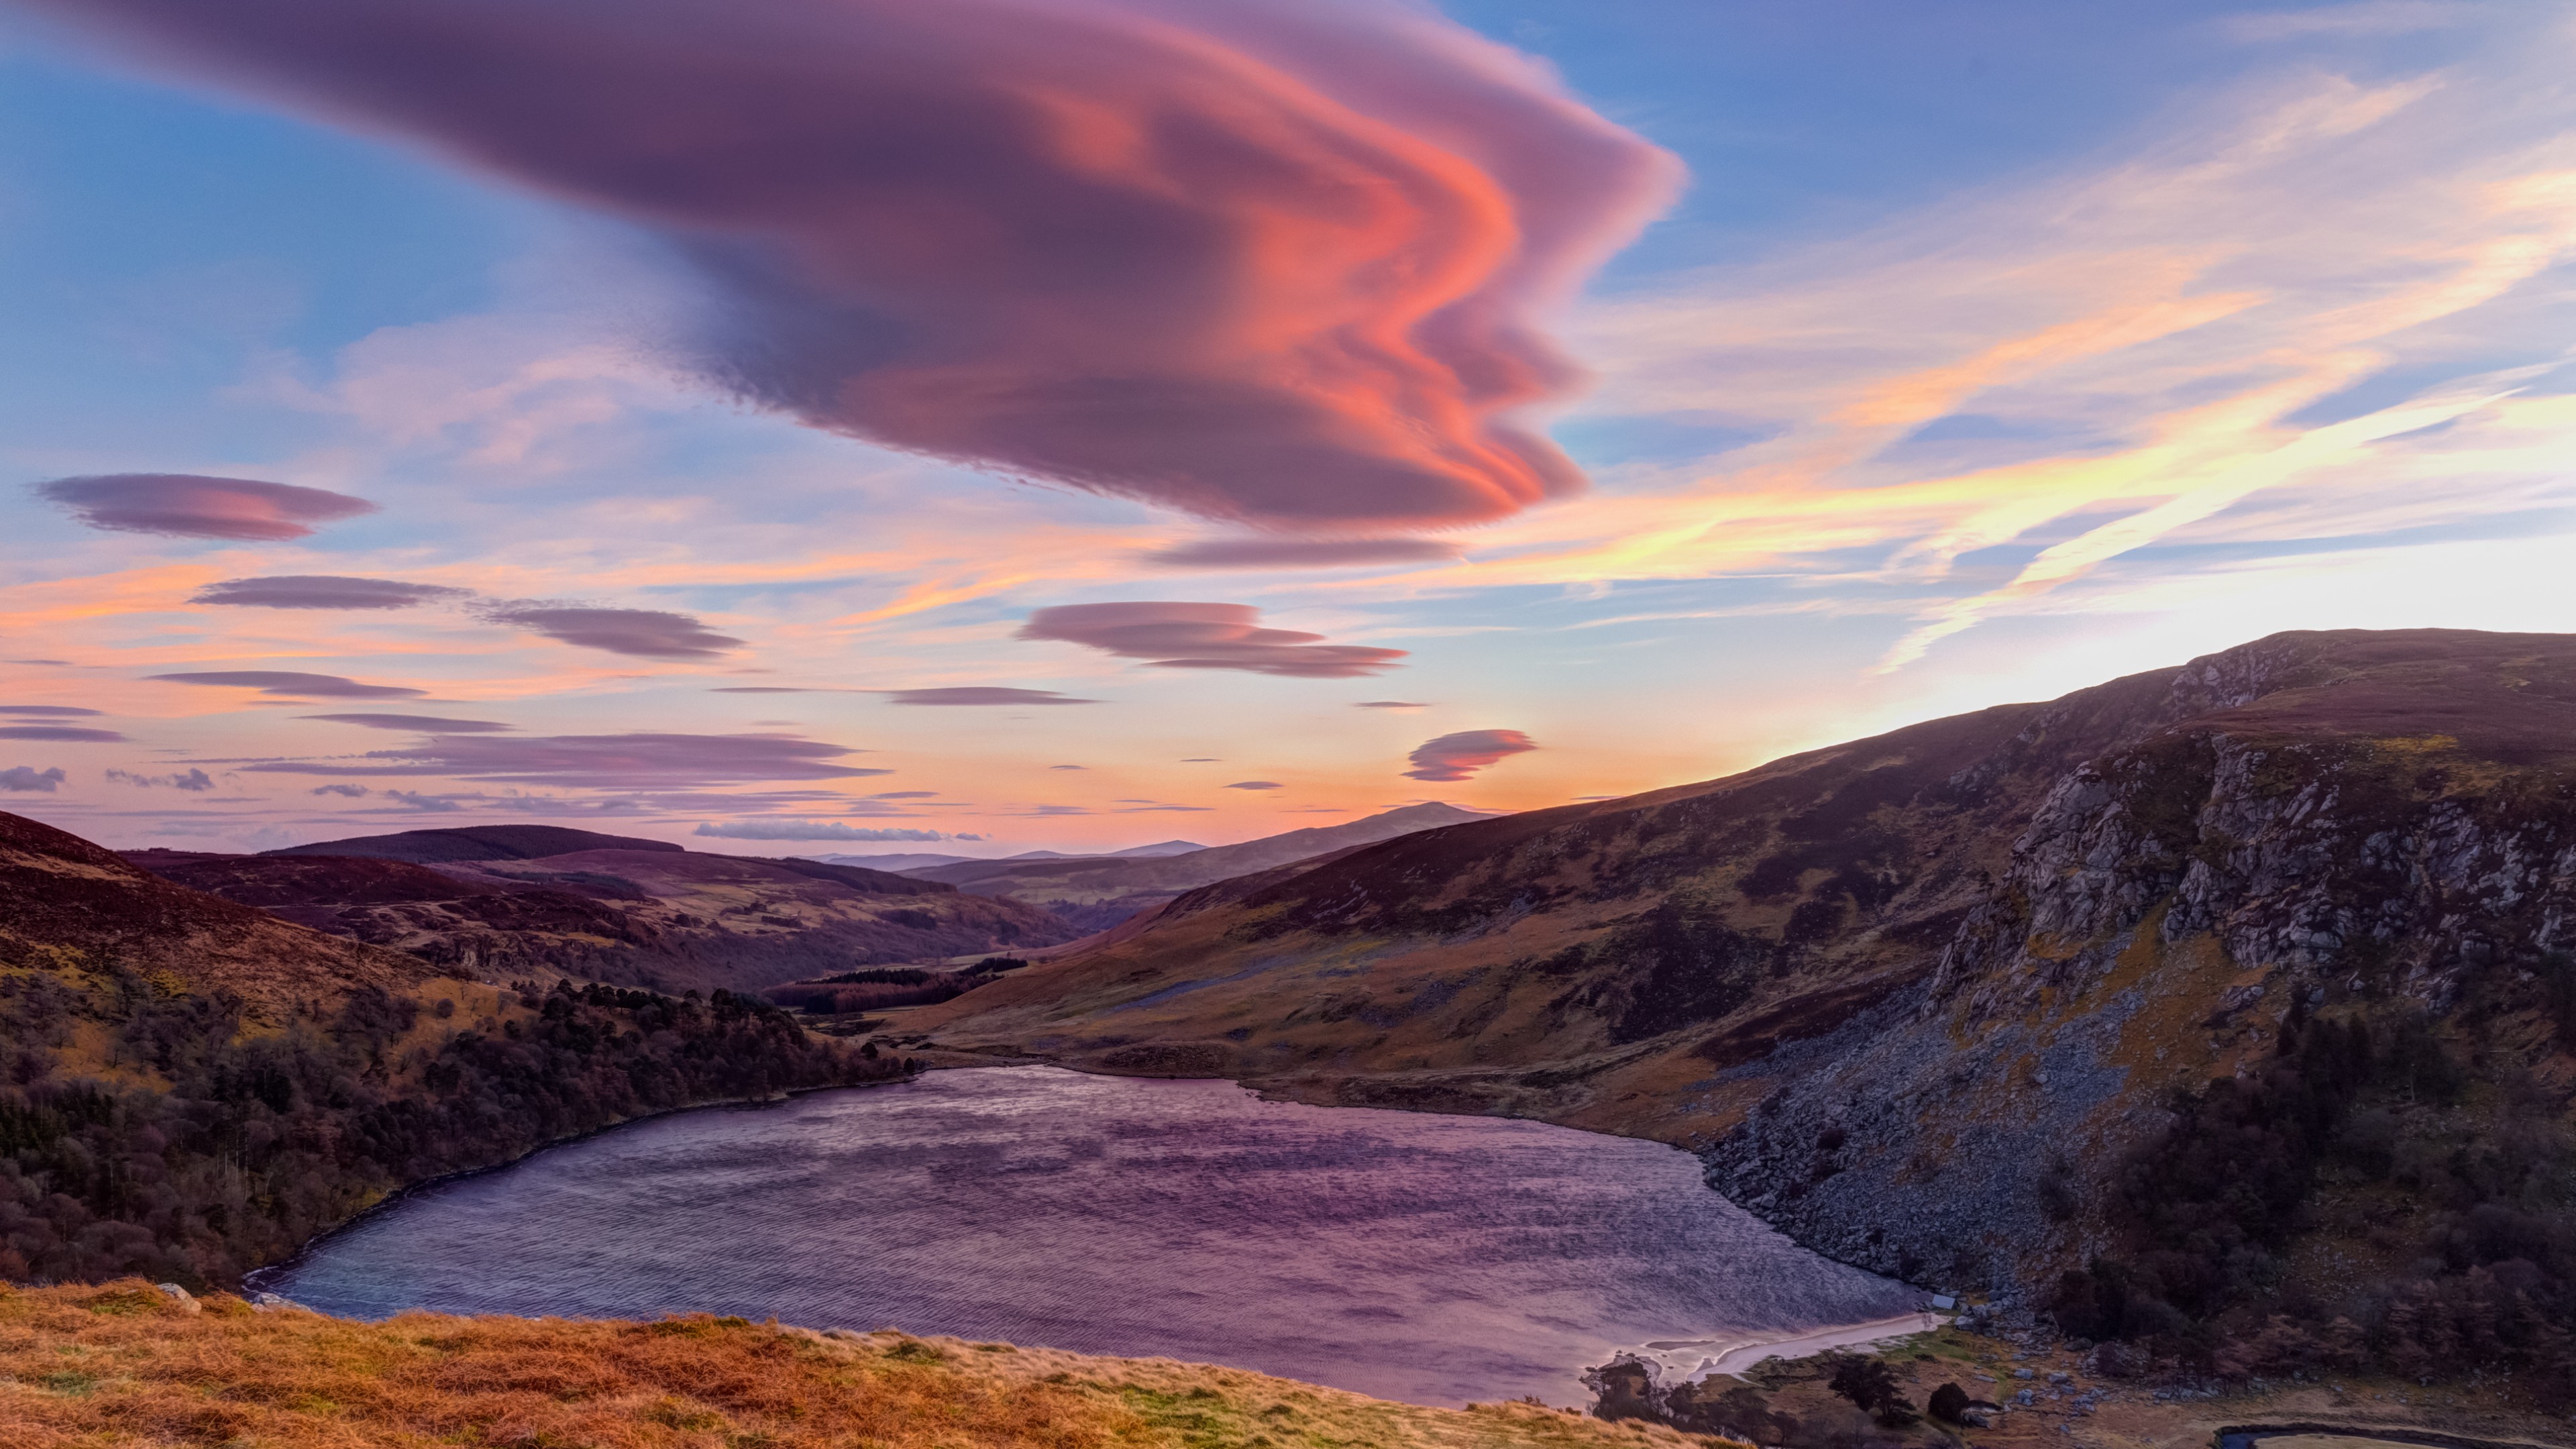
[(122, 1365)]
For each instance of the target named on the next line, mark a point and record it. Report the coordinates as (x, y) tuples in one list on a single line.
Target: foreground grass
[(123, 1365)]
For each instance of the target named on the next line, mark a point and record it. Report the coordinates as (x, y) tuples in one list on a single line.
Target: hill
[(664, 918), (478, 842), (1094, 893), (190, 1086), (64, 899), (127, 1365), (2220, 1011)]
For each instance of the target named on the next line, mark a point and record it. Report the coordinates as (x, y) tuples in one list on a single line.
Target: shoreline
[(1690, 1360), (255, 1280)]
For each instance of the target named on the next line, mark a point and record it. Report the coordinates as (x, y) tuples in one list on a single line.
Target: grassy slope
[(122, 1365)]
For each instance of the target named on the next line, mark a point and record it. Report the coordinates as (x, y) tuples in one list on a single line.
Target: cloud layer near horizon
[(642, 760), (1262, 261), (189, 505), (1177, 635)]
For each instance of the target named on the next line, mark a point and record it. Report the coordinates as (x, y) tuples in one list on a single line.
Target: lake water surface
[(1428, 1258)]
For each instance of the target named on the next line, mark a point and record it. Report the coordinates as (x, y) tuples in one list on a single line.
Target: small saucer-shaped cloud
[(980, 694), (190, 505), (64, 734), (323, 591), (1459, 756), (1177, 635), (1391, 704), (26, 778), (641, 633), (428, 724), (49, 711), (1254, 785), (286, 684), (1304, 553), (809, 830)]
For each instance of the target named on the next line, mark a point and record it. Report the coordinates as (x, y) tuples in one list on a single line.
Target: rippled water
[(1420, 1257)]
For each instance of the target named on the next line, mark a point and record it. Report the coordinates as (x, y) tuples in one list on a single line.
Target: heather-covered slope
[(125, 1365), (1947, 1002), (664, 919), (1094, 893), (59, 893), (190, 1087)]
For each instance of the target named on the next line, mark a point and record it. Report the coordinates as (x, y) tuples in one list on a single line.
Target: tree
[(1870, 1385)]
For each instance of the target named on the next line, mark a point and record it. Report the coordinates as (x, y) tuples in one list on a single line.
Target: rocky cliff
[(1948, 1001)]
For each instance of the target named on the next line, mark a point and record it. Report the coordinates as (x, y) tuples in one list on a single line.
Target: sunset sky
[(802, 426)]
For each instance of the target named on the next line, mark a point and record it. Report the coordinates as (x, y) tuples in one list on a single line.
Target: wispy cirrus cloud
[(1264, 261), (190, 505), (1176, 635), (1454, 757)]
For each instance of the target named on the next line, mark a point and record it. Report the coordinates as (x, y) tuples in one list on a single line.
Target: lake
[(1434, 1259)]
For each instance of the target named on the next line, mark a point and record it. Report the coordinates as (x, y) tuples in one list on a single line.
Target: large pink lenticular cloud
[(1276, 261)]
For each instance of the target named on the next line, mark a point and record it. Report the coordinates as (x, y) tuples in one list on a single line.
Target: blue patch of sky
[(159, 242), (1607, 441), (1828, 113)]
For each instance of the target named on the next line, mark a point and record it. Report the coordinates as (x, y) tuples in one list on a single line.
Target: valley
[(1949, 1003)]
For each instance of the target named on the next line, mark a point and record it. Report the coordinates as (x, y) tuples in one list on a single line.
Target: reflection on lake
[(1412, 1256)]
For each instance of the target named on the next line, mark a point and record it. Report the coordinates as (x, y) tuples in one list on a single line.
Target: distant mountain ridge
[(1096, 893), (630, 913), (476, 842)]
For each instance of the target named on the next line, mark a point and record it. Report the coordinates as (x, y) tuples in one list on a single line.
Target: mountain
[(1094, 893), (2221, 1011), (478, 842), (191, 1086), (662, 918), (895, 862), (1156, 850)]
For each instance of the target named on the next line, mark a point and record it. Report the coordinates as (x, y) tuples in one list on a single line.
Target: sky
[(805, 426)]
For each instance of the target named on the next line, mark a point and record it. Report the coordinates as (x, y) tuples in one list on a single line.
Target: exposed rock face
[(1912, 997)]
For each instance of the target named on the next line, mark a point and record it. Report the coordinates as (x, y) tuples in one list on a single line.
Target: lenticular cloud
[(1451, 758), (191, 505), (1177, 635), (1276, 261)]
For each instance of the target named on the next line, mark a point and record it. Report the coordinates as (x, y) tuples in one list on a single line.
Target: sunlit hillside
[(125, 1364)]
